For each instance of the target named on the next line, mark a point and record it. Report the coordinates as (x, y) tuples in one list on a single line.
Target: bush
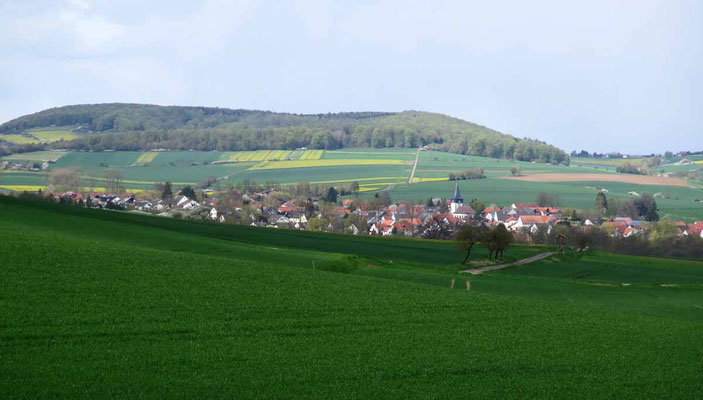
[(477, 173)]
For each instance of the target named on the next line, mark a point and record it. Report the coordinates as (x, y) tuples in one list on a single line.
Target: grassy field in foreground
[(181, 309)]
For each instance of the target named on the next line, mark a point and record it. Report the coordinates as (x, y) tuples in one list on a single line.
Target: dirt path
[(626, 178), (478, 271), (412, 174)]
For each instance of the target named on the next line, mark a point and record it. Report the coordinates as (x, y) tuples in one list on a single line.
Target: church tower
[(457, 200)]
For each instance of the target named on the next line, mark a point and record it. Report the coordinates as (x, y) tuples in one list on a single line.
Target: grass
[(145, 159), (308, 163), (34, 156), (18, 139), (103, 304), (52, 135)]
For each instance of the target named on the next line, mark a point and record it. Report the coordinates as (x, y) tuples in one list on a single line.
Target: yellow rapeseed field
[(22, 188), (416, 180), (18, 139), (145, 159), (53, 136), (256, 156), (312, 155)]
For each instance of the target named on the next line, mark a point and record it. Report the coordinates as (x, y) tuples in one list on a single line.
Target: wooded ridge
[(119, 126)]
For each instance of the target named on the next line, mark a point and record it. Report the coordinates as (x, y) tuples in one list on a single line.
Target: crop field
[(18, 139), (145, 159), (359, 154), (255, 156), (312, 155), (181, 309), (52, 135), (627, 178), (35, 156), (324, 163)]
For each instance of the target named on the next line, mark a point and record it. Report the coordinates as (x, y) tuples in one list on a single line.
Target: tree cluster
[(477, 173), (496, 239)]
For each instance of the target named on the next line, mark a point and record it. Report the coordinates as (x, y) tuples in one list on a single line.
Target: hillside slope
[(144, 127), (89, 311)]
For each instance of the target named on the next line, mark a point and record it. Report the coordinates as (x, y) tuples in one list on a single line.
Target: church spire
[(457, 195)]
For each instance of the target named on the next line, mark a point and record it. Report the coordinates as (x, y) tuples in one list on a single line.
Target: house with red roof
[(695, 229)]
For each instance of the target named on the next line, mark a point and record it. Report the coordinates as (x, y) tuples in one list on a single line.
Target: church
[(457, 207)]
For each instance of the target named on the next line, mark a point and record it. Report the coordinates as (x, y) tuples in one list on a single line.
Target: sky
[(598, 75)]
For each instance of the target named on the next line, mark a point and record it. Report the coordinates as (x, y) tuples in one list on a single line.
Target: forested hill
[(144, 127)]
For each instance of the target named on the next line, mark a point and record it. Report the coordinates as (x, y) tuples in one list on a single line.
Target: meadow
[(51, 134), (107, 304), (18, 139)]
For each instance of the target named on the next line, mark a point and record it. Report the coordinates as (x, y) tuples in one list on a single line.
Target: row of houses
[(436, 220)]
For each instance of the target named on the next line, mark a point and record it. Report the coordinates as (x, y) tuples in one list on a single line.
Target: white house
[(533, 222)]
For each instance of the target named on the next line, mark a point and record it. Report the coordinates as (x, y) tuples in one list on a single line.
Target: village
[(438, 218)]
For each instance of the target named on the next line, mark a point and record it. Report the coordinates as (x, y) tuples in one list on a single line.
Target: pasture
[(105, 304), (35, 156), (52, 134), (19, 139)]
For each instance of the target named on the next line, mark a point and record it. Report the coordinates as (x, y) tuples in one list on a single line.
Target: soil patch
[(636, 179)]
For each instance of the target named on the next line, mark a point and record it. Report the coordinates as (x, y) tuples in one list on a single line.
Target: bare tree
[(113, 180), (65, 179)]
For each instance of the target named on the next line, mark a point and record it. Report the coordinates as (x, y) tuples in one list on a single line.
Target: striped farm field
[(53, 135), (23, 188), (388, 153), (312, 155), (417, 180), (381, 178), (18, 139), (35, 156), (256, 156), (145, 159), (307, 163)]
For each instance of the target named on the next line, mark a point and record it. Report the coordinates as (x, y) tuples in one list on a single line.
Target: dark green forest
[(145, 127)]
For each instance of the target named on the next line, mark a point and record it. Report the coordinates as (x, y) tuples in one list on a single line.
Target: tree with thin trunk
[(467, 237), (354, 187), (166, 191), (503, 238), (113, 180), (601, 203), (65, 179)]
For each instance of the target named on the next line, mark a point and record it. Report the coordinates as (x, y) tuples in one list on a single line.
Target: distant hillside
[(143, 127)]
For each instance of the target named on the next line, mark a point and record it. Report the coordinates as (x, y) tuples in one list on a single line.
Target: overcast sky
[(601, 75)]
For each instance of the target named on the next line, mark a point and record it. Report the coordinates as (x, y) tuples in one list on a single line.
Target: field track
[(478, 271), (636, 179), (412, 174)]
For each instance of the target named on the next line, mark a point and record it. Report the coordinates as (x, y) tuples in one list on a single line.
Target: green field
[(19, 139), (35, 156), (53, 134), (99, 304)]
